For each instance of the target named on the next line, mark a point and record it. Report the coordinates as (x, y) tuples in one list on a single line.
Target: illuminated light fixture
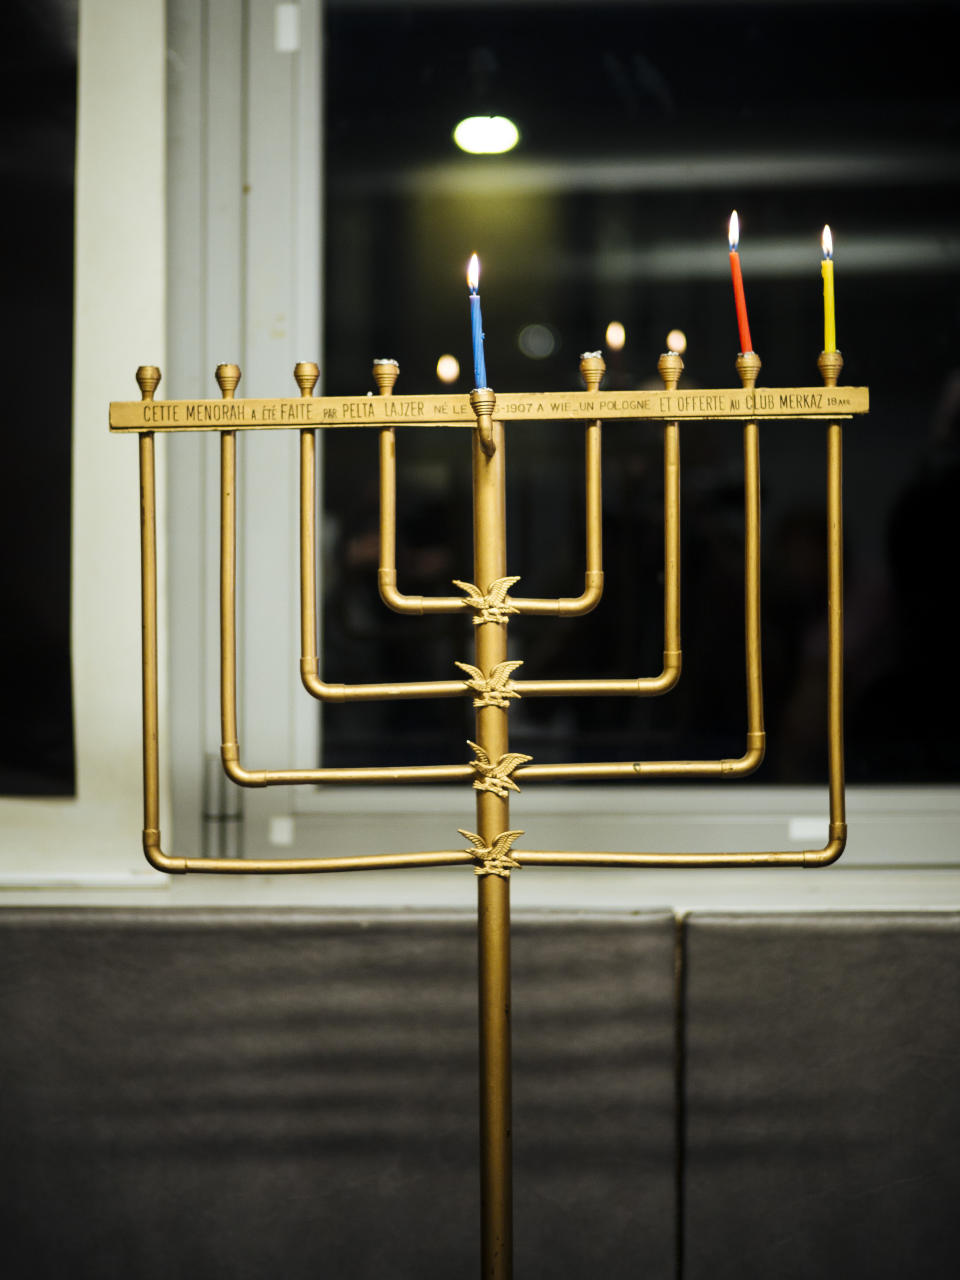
[(486, 135), (616, 336), (448, 368), (677, 341)]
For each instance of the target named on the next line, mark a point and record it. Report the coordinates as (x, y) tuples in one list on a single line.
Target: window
[(641, 127), (569, 243), (39, 96)]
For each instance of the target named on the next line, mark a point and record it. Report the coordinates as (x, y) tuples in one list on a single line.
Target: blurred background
[(641, 125)]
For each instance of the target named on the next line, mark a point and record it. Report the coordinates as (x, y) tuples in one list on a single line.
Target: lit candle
[(829, 312), (738, 296), (476, 323)]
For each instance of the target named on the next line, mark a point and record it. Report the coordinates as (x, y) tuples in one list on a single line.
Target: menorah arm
[(376, 692), (152, 847), (589, 598), (837, 839), (385, 372), (387, 575), (752, 757), (737, 767), (287, 866), (419, 605), (309, 662), (831, 851), (668, 677), (641, 686), (565, 606), (235, 771)]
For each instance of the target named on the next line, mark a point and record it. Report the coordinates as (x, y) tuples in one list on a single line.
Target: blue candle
[(476, 323)]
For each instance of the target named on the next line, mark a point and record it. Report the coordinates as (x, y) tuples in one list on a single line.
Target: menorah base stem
[(496, 1177)]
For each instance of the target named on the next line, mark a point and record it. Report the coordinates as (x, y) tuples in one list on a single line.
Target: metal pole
[(493, 819)]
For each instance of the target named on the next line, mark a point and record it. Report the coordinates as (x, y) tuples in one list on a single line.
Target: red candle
[(738, 296)]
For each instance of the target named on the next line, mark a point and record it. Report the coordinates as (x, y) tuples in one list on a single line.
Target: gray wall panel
[(594, 1121), (822, 1114), (247, 1094)]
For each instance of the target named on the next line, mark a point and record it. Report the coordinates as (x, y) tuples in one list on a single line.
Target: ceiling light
[(486, 135)]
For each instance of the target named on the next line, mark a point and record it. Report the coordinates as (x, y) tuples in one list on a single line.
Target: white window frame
[(91, 839), (235, 274)]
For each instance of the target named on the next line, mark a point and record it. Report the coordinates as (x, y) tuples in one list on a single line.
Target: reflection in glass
[(616, 205)]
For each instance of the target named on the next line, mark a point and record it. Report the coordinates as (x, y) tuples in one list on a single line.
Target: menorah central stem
[(493, 817)]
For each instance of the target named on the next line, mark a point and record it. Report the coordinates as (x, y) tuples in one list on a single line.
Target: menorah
[(490, 680)]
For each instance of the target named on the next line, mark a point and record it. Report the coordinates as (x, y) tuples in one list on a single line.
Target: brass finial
[(592, 368), (670, 367), (148, 378), (306, 373), (748, 366), (228, 375), (385, 374), (483, 401), (830, 363)]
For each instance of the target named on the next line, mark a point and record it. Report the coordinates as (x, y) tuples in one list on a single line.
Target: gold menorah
[(489, 680)]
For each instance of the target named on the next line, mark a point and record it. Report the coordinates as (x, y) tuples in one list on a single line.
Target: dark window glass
[(38, 96), (642, 126)]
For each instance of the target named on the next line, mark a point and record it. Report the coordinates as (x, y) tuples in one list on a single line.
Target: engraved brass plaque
[(823, 403)]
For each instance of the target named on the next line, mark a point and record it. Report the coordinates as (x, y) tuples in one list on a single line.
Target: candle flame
[(827, 242), (473, 274), (733, 234), (616, 335), (448, 368)]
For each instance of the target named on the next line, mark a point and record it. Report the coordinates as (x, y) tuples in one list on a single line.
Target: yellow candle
[(829, 312)]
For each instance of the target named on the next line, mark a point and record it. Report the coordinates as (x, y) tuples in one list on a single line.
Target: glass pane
[(641, 127), (39, 95)]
